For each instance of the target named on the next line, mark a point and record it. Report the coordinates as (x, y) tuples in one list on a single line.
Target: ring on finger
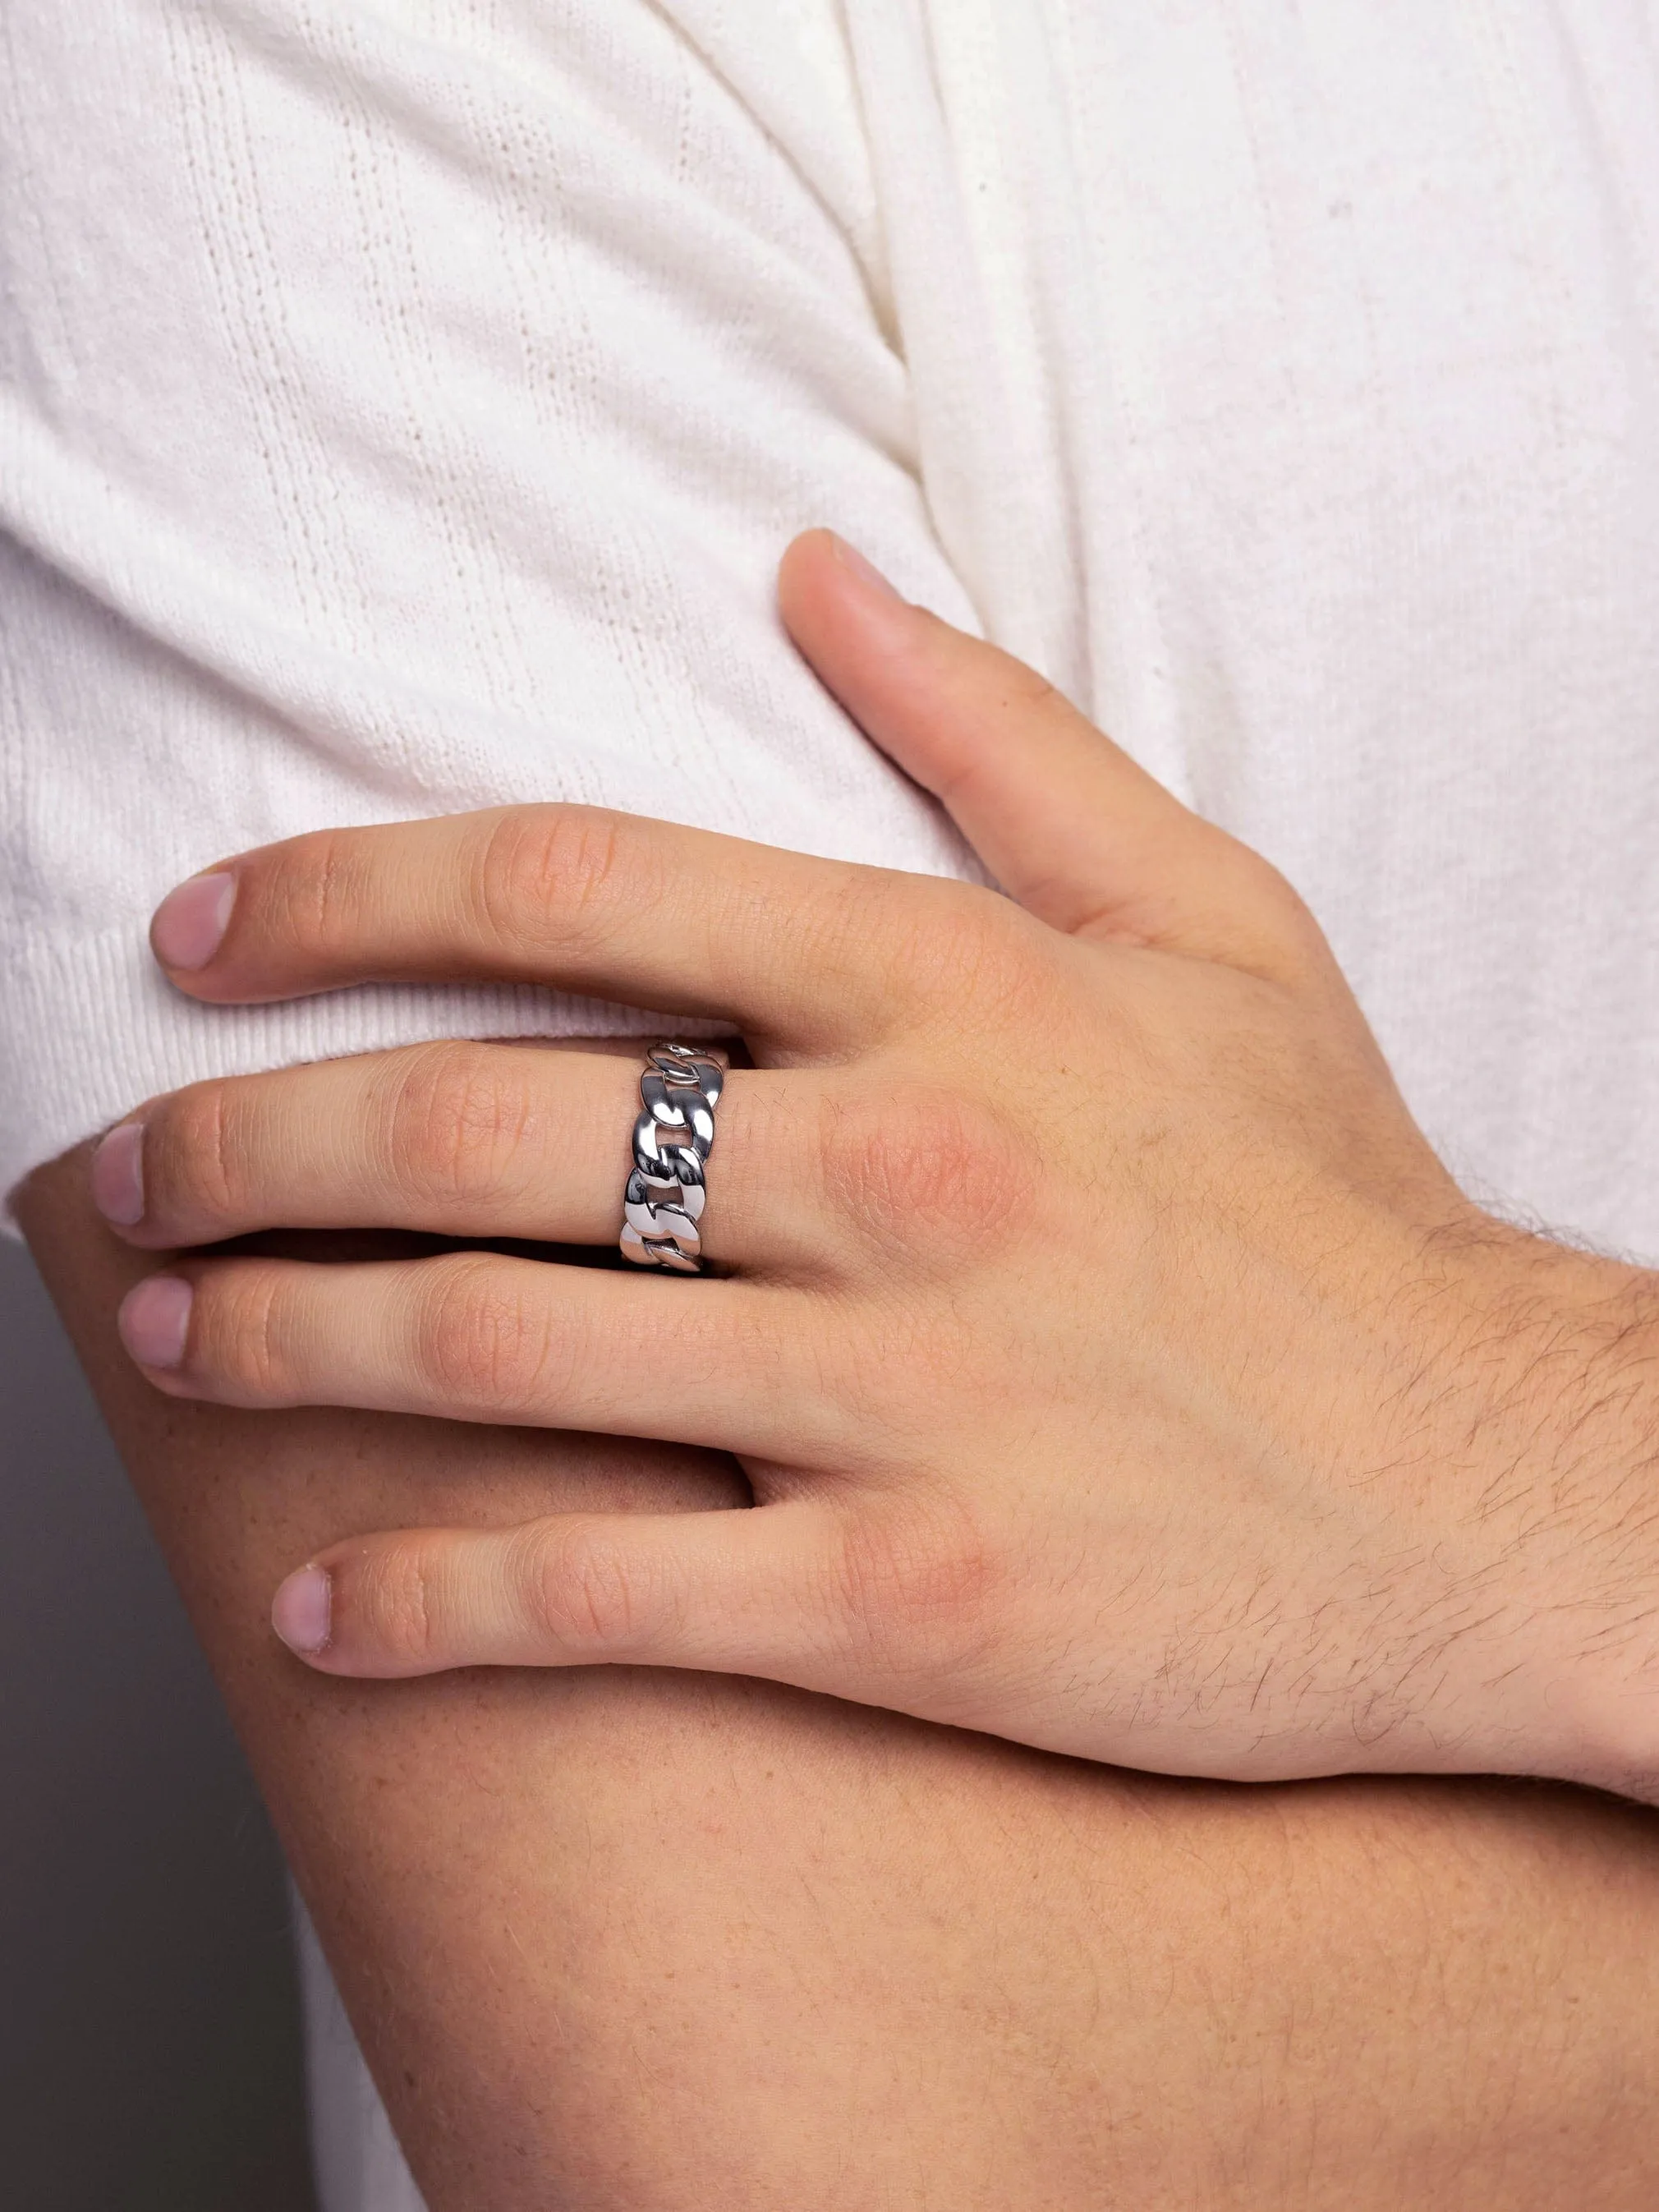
[(663, 1202)]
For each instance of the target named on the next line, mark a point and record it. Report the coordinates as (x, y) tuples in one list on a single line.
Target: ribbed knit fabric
[(403, 403)]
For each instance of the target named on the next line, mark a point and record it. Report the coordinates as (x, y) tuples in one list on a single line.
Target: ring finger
[(458, 1139)]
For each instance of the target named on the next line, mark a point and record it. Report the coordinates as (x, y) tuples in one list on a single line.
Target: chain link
[(664, 1199)]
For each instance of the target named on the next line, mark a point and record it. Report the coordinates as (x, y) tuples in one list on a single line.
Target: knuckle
[(917, 1587), (391, 1603), (310, 898), (587, 1590), (453, 1120), (927, 1168), (242, 1331), (481, 1340), (194, 1153), (548, 866)]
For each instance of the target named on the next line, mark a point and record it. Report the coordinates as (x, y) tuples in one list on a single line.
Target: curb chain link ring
[(662, 1202)]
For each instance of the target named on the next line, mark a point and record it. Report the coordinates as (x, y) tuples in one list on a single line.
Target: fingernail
[(867, 571), (154, 1319), (299, 1611), (118, 1176), (186, 928)]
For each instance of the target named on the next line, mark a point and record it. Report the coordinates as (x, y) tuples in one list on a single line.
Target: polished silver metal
[(664, 1199)]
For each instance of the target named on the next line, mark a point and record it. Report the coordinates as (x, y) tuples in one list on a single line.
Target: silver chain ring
[(664, 1199)]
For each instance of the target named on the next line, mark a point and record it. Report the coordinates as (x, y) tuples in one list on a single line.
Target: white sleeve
[(402, 409)]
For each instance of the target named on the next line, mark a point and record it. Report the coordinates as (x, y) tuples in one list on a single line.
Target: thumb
[(741, 1591), (1067, 823)]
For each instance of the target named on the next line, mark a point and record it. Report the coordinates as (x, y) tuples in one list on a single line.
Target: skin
[(1225, 1435), (631, 1941)]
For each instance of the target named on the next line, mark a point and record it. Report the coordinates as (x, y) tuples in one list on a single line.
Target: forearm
[(441, 1834), (651, 1939)]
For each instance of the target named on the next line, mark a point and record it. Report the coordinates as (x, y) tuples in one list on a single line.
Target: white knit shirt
[(403, 403)]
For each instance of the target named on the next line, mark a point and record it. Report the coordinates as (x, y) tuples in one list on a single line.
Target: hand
[(1114, 1366)]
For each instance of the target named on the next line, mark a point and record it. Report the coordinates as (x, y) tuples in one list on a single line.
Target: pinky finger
[(742, 1591)]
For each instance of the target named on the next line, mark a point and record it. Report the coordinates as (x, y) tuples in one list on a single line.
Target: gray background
[(149, 2053)]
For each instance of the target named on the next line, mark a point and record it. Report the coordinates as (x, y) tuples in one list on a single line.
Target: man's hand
[(1114, 1366)]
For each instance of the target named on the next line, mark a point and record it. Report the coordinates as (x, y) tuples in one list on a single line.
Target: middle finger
[(477, 1336)]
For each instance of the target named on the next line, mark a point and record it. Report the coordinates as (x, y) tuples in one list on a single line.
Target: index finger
[(613, 906)]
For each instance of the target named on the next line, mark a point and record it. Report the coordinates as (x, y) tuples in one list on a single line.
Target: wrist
[(1565, 1505)]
